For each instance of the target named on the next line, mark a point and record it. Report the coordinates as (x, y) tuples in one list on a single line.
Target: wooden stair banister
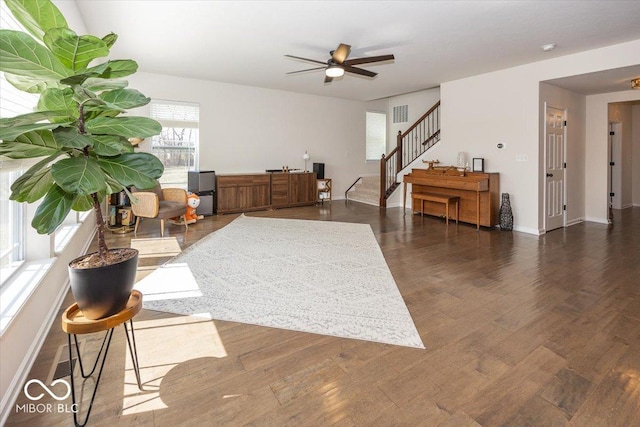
[(410, 144)]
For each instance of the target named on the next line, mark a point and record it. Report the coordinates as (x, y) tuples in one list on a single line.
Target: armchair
[(159, 203)]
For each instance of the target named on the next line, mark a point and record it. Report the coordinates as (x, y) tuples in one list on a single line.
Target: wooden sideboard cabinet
[(242, 193), (302, 189), (252, 192)]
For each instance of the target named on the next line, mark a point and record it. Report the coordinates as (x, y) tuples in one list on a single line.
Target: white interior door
[(615, 163), (554, 165)]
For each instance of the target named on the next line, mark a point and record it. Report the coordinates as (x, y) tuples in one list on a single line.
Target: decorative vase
[(461, 161), (103, 291), (506, 214)]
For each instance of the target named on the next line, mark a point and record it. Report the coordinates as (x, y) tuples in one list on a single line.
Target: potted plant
[(79, 133)]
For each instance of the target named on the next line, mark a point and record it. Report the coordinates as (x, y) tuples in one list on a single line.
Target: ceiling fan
[(338, 64)]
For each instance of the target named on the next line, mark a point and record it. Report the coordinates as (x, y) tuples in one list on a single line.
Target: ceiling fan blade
[(328, 79), (360, 71), (304, 71), (358, 61), (340, 54), (306, 59)]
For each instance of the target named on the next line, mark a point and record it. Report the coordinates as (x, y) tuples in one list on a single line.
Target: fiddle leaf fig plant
[(79, 129)]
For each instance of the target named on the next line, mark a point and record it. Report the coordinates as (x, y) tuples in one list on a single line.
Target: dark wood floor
[(519, 331)]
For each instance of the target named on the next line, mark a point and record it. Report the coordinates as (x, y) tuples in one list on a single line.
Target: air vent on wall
[(401, 114)]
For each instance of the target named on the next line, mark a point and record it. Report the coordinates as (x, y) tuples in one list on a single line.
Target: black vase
[(506, 214), (103, 291)]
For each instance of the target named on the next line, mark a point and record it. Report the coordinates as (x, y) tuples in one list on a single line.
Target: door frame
[(564, 169)]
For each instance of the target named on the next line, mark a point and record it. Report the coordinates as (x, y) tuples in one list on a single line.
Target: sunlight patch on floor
[(163, 344)]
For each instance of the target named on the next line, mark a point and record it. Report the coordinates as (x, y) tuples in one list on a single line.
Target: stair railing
[(410, 145), (351, 186)]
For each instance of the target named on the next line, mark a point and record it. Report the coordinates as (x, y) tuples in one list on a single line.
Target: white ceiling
[(243, 42)]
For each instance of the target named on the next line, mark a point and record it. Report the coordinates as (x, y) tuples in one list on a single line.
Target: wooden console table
[(479, 194), (261, 191)]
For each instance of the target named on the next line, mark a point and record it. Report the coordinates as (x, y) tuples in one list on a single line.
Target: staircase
[(410, 145), (366, 190)]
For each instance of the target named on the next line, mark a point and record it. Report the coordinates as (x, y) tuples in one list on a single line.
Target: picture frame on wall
[(478, 164)]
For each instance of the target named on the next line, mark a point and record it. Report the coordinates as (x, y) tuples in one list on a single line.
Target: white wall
[(575, 107), (596, 160), (249, 129), (504, 106), (418, 103)]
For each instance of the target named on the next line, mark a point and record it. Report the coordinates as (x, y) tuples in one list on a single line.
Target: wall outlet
[(522, 158)]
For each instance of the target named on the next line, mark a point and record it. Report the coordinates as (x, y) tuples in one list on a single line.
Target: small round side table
[(74, 323)]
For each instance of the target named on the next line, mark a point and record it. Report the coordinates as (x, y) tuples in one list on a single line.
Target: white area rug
[(321, 277)]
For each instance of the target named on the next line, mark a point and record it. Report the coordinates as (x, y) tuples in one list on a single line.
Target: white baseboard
[(575, 221), (598, 220), (527, 230)]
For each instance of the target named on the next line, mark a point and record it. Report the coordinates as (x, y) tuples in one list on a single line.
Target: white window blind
[(13, 102), (376, 135), (177, 144)]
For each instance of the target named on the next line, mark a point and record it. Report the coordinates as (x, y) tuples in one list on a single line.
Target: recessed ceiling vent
[(401, 114)]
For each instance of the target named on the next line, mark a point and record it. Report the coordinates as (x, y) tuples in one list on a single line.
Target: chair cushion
[(171, 209)]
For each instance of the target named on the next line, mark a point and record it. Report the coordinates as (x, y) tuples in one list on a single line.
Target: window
[(12, 215), (177, 144), (12, 226), (376, 135)]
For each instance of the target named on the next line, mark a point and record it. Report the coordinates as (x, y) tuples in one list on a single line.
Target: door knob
[(549, 175)]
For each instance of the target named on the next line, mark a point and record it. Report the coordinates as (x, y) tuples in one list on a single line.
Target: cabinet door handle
[(549, 175)]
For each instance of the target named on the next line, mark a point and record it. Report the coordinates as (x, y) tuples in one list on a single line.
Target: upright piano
[(479, 194)]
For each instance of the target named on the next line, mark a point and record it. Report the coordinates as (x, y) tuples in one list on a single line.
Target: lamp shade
[(306, 156)]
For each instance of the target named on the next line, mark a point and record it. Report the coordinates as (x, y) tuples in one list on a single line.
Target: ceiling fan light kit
[(334, 71), (338, 63), (635, 83)]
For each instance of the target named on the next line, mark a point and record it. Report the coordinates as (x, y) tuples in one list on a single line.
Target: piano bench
[(436, 198)]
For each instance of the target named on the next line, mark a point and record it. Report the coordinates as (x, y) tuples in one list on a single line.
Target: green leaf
[(29, 118), (58, 100), (142, 127), (97, 85), (110, 39), (16, 150), (79, 175), (37, 16), (115, 69), (75, 52), (14, 132), (97, 104), (36, 143), (53, 210), (34, 183), (12, 127), (138, 169), (85, 203), (30, 84), (70, 138), (20, 54), (125, 98), (111, 145)]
